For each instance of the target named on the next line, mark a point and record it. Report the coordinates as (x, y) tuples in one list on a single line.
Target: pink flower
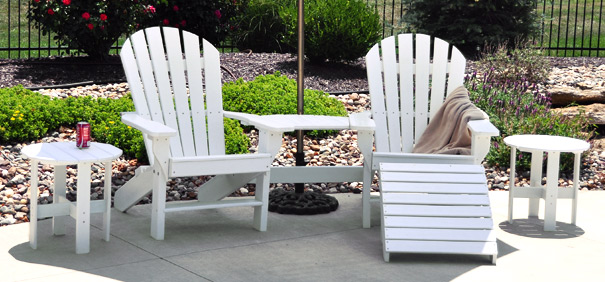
[(175, 8), (37, 1), (66, 2), (103, 17), (217, 13), (150, 9), (90, 26), (183, 23), (166, 22), (86, 15), (50, 11)]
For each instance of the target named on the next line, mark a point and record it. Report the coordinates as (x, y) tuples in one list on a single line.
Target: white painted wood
[(440, 234), (180, 143), (375, 85), (576, 181), (442, 247), (59, 196), (196, 90), (456, 72), (438, 222), (421, 106), (434, 178), (433, 168), (406, 88), (195, 205), (284, 123), (107, 203), (179, 89), (391, 92), (435, 199), (417, 209), (445, 188), (162, 80), (83, 209), (438, 75), (216, 142), (553, 146), (33, 205)]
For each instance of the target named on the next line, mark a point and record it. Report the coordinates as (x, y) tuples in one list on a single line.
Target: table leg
[(576, 180), (83, 209), (33, 205), (535, 181), (59, 195), (107, 199), (511, 184), (550, 207)]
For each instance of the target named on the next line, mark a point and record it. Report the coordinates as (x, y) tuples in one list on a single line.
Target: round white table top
[(549, 143), (65, 153)]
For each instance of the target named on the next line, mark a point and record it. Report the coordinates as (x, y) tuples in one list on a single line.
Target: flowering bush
[(90, 26), (210, 20)]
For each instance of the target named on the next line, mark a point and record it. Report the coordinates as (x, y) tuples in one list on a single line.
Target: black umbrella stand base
[(307, 203)]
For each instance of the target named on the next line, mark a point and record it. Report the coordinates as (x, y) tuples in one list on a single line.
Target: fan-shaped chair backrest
[(407, 86), (167, 86)]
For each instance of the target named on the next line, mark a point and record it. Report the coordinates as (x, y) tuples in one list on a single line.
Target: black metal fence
[(568, 28)]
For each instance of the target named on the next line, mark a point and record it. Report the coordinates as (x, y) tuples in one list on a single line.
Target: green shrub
[(521, 108), (277, 94), (470, 24), (260, 28), (90, 26), (25, 115), (522, 62), (210, 20), (335, 30)]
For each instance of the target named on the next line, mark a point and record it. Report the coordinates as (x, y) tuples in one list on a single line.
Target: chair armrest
[(269, 122), (482, 127), (362, 121), (149, 127)]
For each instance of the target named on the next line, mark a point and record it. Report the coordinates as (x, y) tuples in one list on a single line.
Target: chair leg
[(262, 194), (158, 204), (365, 199)]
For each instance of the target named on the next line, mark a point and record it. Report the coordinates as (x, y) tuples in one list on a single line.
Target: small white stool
[(537, 145), (61, 154)]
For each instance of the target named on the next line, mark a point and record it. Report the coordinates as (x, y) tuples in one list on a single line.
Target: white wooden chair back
[(167, 86), (407, 87)]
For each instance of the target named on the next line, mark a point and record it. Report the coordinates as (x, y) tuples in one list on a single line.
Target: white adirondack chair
[(407, 86), (182, 136)]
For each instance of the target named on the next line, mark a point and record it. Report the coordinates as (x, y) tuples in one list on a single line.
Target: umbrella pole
[(300, 155)]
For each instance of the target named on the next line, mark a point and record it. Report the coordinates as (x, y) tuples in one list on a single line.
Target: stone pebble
[(338, 149)]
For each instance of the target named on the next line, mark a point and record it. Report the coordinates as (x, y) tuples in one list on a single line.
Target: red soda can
[(82, 135)]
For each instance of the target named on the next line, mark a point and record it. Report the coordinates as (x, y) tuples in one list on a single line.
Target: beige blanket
[(447, 132)]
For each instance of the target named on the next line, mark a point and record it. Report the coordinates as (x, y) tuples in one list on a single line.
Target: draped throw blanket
[(447, 132)]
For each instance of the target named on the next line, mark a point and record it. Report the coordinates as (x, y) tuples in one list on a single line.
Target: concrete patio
[(221, 245)]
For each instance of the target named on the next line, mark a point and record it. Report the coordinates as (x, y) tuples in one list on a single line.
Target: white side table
[(61, 154), (537, 145)]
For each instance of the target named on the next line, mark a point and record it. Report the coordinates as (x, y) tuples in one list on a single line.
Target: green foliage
[(469, 24), (335, 30), (25, 115), (260, 28), (522, 62), (277, 94), (519, 107), (89, 26), (210, 20)]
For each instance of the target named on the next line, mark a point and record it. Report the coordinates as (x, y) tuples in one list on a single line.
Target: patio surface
[(221, 245)]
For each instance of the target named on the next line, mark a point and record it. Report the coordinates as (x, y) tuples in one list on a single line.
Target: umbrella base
[(307, 203)]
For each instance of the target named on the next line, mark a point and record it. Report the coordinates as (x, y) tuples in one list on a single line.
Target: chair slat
[(423, 60), (179, 89), (391, 93), (456, 72), (406, 89), (134, 80), (212, 70), (374, 69), (139, 44), (158, 59), (196, 92), (438, 76)]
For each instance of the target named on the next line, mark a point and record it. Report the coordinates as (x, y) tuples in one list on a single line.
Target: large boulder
[(595, 112), (563, 95)]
